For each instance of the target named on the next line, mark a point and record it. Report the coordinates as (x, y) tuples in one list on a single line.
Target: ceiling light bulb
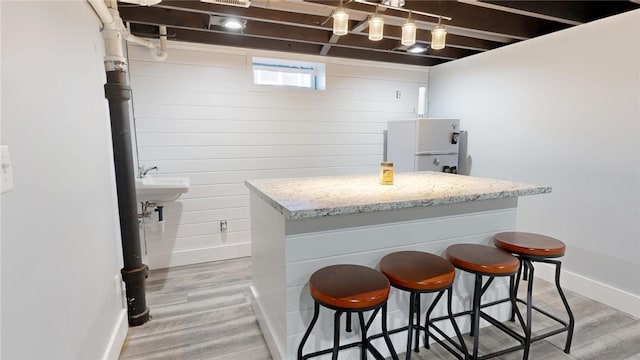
[(417, 49), (376, 25), (340, 22), (438, 35), (233, 24), (408, 33)]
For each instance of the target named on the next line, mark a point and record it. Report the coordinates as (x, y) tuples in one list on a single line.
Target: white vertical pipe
[(112, 35), (422, 95), (162, 54), (103, 12)]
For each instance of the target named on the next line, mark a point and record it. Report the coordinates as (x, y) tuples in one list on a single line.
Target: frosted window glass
[(288, 73)]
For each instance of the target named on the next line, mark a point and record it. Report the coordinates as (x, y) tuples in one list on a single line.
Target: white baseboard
[(276, 352), (610, 296), (118, 336), (196, 256)]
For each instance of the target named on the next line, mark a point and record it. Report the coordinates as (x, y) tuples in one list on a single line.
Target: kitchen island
[(300, 225)]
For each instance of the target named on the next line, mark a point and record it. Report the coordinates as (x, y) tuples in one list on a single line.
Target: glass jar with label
[(386, 173)]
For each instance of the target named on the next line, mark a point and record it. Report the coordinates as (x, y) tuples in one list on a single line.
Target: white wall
[(60, 234), (561, 110), (199, 115)]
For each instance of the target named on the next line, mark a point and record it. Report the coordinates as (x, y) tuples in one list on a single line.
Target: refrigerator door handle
[(430, 153)]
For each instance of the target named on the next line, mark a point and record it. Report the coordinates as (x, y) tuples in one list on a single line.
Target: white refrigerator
[(425, 144)]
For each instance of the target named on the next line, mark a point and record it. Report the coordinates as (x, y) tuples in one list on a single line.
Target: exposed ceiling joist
[(501, 7), (580, 11)]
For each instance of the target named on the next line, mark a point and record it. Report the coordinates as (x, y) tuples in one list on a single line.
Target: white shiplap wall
[(197, 114)]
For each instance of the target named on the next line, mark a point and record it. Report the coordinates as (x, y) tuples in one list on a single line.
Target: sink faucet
[(142, 171)]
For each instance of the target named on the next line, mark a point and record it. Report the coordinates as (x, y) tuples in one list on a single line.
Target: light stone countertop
[(298, 198)]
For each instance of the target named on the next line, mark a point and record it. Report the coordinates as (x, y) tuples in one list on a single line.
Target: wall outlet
[(223, 225), (6, 173)]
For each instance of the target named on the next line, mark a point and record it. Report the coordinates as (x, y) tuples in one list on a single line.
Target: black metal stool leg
[(412, 304), (316, 312), (527, 264), (475, 325), (385, 333), (527, 330), (428, 316), (567, 347), (365, 344), (348, 316), (336, 335), (417, 334), (463, 345), (515, 290), (482, 291)]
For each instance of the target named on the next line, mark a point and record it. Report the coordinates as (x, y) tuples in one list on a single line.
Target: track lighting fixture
[(376, 24), (409, 28)]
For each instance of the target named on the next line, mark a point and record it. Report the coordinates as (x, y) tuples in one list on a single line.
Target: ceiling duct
[(239, 3)]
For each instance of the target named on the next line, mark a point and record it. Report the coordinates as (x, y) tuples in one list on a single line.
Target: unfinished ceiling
[(305, 27)]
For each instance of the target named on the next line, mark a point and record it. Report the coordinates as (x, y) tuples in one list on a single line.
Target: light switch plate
[(6, 182)]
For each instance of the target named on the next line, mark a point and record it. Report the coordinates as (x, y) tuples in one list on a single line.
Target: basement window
[(289, 73)]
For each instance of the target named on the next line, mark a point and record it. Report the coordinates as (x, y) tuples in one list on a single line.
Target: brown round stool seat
[(482, 259), (523, 243), (417, 270), (349, 286)]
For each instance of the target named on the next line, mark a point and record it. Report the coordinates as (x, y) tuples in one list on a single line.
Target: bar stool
[(530, 248), (482, 260), (419, 273), (349, 288)]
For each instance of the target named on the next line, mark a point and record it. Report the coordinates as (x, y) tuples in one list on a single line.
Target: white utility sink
[(160, 190)]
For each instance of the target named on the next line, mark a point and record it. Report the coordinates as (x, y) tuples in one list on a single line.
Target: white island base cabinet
[(287, 250)]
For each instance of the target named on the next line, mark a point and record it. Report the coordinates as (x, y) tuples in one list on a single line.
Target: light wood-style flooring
[(203, 311)]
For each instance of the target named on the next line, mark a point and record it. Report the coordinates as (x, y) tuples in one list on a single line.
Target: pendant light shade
[(340, 22), (438, 35), (376, 25), (409, 33)]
